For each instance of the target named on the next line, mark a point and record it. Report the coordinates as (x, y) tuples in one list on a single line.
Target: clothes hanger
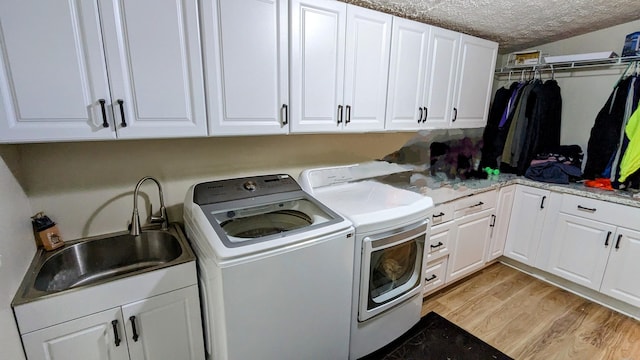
[(624, 73)]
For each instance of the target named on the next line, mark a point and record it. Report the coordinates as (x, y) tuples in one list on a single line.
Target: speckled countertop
[(443, 190)]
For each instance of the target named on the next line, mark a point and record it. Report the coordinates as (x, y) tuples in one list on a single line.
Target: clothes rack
[(570, 65)]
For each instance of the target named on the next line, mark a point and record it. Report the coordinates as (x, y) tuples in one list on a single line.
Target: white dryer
[(392, 226), (275, 270)]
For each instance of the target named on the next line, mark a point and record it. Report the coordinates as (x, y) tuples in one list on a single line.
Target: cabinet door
[(317, 65), (407, 68), (167, 326), (469, 245), (477, 62), (366, 68), (441, 77), (89, 338), (245, 46), (580, 250), (621, 275), (155, 67), (526, 224), (501, 221), (52, 72)]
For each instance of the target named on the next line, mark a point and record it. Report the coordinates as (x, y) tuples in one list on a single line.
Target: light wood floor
[(529, 319)]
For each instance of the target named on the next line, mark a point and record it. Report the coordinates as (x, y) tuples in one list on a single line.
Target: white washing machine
[(275, 270), (392, 226)]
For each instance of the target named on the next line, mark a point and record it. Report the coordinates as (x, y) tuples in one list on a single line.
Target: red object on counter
[(600, 183)]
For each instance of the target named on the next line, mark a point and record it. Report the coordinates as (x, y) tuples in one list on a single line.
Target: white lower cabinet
[(526, 224), (500, 222), (580, 250), (621, 275), (470, 244), (90, 337), (435, 275), (597, 255), (165, 326)]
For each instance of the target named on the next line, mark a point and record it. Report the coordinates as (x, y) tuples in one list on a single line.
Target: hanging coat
[(543, 128), (605, 132), (631, 159), (498, 108)]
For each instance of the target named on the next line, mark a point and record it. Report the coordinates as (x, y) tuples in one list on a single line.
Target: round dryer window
[(261, 225)]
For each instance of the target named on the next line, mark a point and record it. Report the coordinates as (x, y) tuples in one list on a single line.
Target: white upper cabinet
[(441, 77), (245, 46), (476, 65), (154, 67), (338, 77), (438, 78), (366, 68), (407, 71), (52, 72), (100, 70)]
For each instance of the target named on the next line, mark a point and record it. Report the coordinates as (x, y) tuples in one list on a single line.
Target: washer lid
[(266, 218), (370, 202)]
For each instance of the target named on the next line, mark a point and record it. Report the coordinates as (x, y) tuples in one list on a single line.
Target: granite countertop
[(442, 190)]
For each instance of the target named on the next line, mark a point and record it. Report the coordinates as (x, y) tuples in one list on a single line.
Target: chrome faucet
[(135, 218)]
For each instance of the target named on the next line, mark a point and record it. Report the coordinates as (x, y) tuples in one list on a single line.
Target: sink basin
[(96, 260)]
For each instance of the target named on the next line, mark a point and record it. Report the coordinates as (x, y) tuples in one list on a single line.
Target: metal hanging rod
[(569, 65)]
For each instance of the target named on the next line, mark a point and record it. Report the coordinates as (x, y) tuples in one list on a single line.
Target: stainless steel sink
[(96, 260)]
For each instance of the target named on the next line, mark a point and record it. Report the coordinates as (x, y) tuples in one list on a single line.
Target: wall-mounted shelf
[(569, 65)]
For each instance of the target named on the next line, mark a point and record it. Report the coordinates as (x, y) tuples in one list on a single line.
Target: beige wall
[(86, 187), (16, 247), (584, 92)]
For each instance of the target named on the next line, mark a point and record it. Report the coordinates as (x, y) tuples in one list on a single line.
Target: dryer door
[(391, 270)]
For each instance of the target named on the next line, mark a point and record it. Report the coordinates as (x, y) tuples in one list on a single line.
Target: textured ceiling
[(514, 24)]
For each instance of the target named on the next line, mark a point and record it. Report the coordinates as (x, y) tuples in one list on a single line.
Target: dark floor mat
[(436, 338)]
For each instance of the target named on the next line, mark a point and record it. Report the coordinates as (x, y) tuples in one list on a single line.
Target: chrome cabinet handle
[(348, 119), (455, 114), (124, 122), (285, 118), (105, 123), (586, 209), (116, 340), (339, 114), (420, 116)]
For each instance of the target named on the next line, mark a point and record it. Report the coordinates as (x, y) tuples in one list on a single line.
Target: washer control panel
[(242, 188)]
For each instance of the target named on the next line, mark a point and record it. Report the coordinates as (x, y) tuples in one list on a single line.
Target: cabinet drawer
[(434, 276), (439, 240), (474, 203), (610, 213), (442, 213)]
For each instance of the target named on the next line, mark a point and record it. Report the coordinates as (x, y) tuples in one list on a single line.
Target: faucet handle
[(162, 219), (154, 219)]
